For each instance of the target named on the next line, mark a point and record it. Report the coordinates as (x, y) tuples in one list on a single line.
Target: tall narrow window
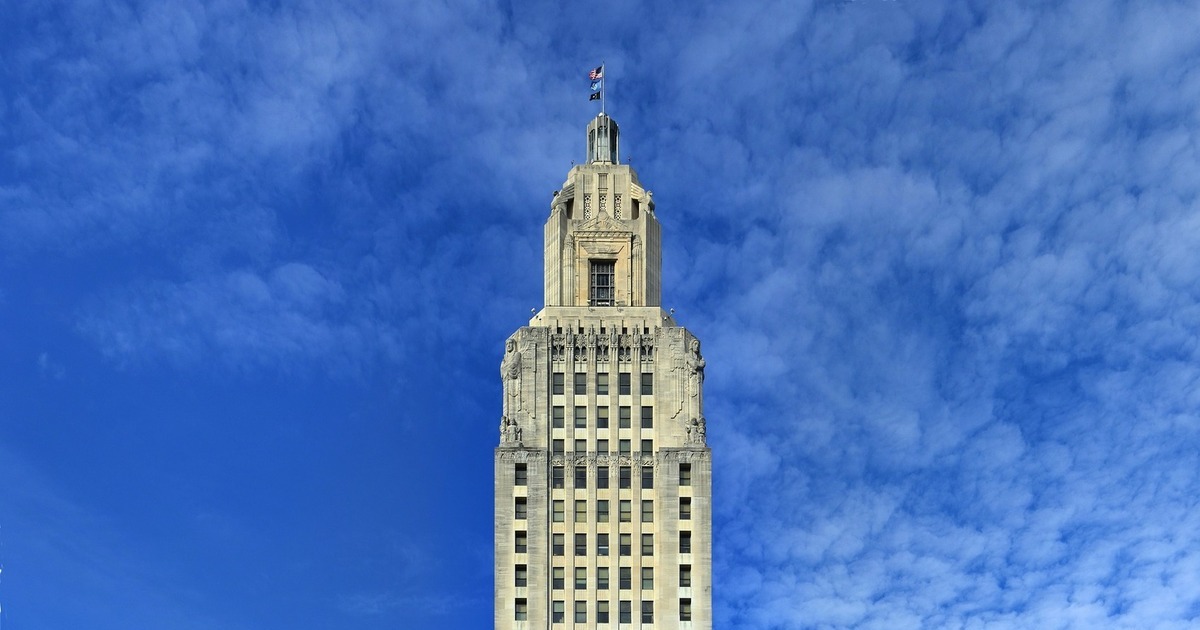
[(685, 542), (602, 471), (556, 477), (602, 546), (580, 578), (626, 507), (647, 511), (521, 475), (581, 544), (558, 545), (647, 477), (647, 544), (558, 446), (625, 477), (623, 420), (559, 612), (580, 477), (626, 613), (558, 579), (522, 610), (623, 380), (647, 384), (648, 612), (581, 446), (626, 545), (602, 383), (685, 474), (601, 417), (602, 611), (602, 579), (647, 578), (580, 511), (521, 575), (521, 543), (581, 417), (647, 417), (557, 381), (580, 611), (685, 508), (625, 579), (685, 576), (602, 511), (602, 448), (557, 510), (557, 416), (601, 289), (580, 383), (685, 609), (519, 509)]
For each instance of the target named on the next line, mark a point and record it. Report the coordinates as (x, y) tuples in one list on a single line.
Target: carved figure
[(510, 372), (510, 431), (696, 363), (696, 431)]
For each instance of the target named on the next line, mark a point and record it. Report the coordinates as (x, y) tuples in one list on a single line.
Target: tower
[(603, 490)]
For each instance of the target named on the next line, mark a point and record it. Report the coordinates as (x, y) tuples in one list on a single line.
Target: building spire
[(603, 140)]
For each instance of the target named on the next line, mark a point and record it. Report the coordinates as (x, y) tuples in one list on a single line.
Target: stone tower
[(603, 476)]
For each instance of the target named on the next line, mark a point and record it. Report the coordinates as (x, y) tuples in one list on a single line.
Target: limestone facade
[(603, 477)]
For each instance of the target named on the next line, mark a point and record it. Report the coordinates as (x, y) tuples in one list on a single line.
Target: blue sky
[(258, 260)]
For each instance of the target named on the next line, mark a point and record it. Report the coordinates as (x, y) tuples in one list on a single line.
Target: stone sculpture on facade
[(510, 431), (510, 372), (697, 432)]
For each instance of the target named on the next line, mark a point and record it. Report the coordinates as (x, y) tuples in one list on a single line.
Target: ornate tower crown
[(603, 242)]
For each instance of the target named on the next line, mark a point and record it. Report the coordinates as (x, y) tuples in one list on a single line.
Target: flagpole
[(603, 87)]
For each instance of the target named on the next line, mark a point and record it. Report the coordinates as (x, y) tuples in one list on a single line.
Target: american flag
[(596, 73)]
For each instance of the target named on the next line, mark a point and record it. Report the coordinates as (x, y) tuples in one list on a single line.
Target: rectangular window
[(558, 447), (647, 477), (602, 611), (580, 383), (601, 288), (647, 511), (521, 543), (602, 383), (558, 545), (580, 612), (522, 609), (602, 511), (520, 509), (581, 446), (626, 545), (647, 446), (581, 417), (626, 515), (685, 575), (647, 544), (559, 612), (685, 508), (602, 448), (521, 575), (647, 384), (521, 475), (557, 380), (623, 447), (601, 544), (685, 609), (558, 579), (557, 476), (626, 612), (580, 578), (648, 612), (557, 416), (623, 418), (581, 544), (647, 417), (602, 471), (557, 511), (625, 578), (685, 474), (602, 578), (580, 511), (647, 578), (601, 417), (623, 384), (580, 477), (626, 475), (685, 542)]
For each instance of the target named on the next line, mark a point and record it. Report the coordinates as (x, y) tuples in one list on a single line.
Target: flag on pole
[(596, 73), (596, 85), (594, 97)]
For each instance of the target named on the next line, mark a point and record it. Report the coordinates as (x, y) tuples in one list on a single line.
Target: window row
[(624, 577), (625, 510), (559, 447), (558, 417), (624, 475), (624, 611), (558, 383), (624, 544)]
